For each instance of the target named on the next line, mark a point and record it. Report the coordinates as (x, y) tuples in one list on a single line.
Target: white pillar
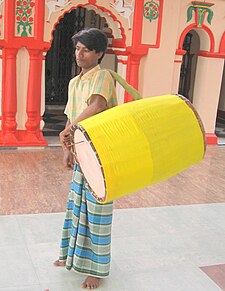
[(121, 70), (207, 90), (22, 74)]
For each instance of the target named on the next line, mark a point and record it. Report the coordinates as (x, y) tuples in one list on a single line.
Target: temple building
[(159, 47)]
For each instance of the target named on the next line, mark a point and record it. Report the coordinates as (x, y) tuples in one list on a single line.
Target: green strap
[(133, 92)]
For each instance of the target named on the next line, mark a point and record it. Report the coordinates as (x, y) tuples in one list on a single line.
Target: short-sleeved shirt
[(82, 87)]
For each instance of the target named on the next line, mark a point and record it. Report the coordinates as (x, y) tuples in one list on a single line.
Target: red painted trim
[(122, 62), (28, 42), (127, 97), (160, 24), (193, 26), (3, 84), (9, 20), (119, 43), (132, 73), (109, 51), (10, 136), (205, 4), (103, 9), (9, 96), (39, 17), (183, 35), (159, 29), (211, 55), (222, 44), (196, 16), (120, 53), (141, 50), (34, 96), (177, 61), (180, 52), (137, 50), (211, 139), (211, 37), (137, 24), (20, 134)]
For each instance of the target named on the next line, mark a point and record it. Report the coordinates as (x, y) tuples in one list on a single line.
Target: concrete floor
[(169, 236)]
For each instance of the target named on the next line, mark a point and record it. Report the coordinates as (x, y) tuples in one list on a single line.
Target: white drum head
[(89, 163)]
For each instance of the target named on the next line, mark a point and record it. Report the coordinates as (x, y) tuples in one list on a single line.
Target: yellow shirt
[(82, 87)]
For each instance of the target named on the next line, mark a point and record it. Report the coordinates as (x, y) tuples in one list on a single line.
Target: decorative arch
[(133, 52), (207, 47), (128, 47), (196, 28), (207, 50), (118, 31), (118, 47)]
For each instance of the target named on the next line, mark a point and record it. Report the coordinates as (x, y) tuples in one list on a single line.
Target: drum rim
[(188, 102), (83, 130)]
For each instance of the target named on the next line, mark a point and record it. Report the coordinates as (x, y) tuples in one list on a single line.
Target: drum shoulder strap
[(131, 90)]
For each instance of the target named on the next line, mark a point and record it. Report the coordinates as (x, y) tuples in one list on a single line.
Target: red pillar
[(9, 134), (33, 134), (137, 49), (137, 23), (132, 73), (9, 103)]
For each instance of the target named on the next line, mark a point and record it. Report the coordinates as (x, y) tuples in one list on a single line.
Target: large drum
[(137, 144)]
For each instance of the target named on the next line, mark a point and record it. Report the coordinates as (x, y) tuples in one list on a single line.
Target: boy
[(86, 237)]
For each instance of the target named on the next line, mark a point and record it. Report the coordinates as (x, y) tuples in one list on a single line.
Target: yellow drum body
[(137, 144)]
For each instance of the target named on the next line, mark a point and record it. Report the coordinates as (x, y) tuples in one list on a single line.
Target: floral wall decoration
[(24, 17), (201, 9), (151, 10)]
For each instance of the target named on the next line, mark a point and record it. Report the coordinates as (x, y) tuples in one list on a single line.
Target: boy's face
[(85, 58)]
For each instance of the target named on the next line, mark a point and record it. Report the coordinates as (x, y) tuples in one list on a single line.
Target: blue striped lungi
[(86, 236)]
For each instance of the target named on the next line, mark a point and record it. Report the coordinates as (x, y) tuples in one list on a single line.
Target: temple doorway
[(60, 65), (188, 69)]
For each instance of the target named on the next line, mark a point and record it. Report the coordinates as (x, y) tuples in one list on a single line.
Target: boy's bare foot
[(59, 263), (91, 283)]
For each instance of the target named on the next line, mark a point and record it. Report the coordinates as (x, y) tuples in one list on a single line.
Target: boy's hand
[(64, 137)]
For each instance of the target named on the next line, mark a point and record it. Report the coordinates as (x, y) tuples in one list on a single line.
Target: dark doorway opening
[(189, 63), (60, 67)]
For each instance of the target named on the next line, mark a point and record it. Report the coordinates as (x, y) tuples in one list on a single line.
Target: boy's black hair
[(93, 39)]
